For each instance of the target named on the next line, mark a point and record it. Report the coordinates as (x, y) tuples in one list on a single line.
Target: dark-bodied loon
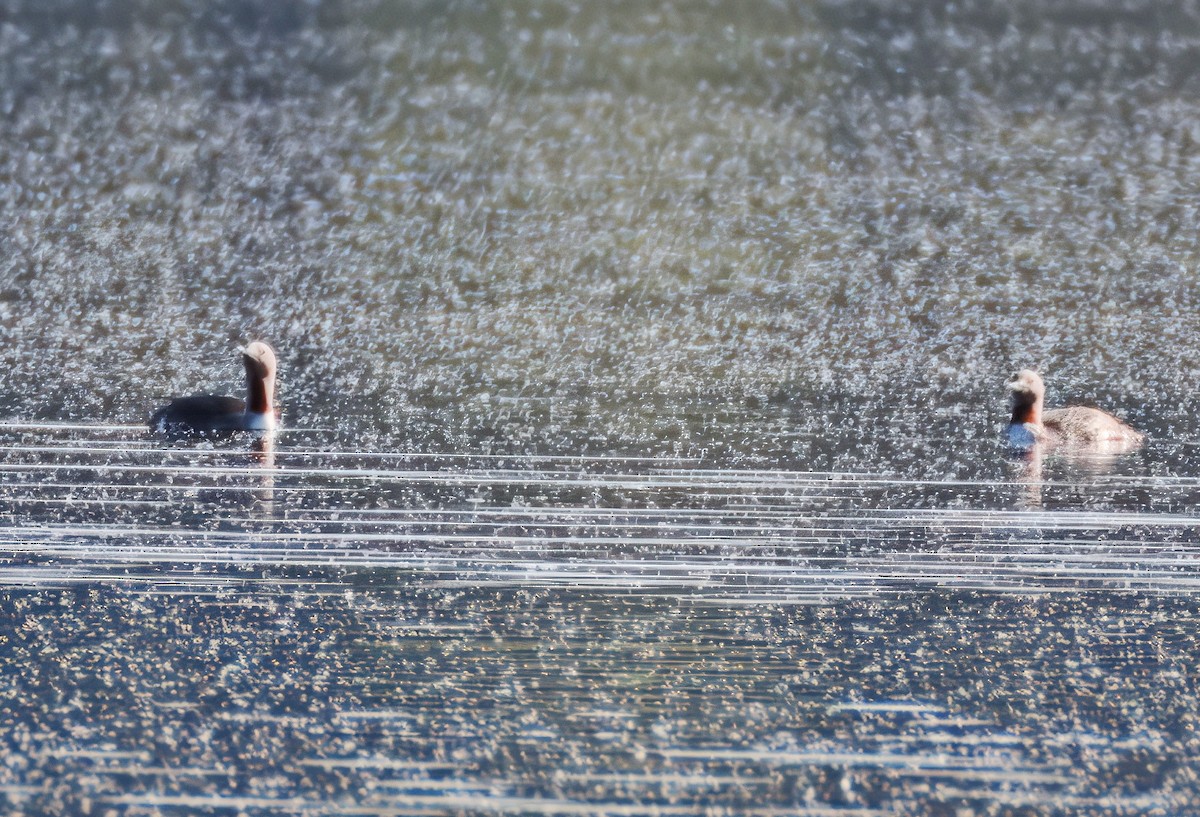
[(206, 412)]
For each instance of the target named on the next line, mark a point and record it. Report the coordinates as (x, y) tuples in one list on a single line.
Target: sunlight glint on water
[(642, 372)]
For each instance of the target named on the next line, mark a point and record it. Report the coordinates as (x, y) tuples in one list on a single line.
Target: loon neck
[(1027, 410), (259, 394)]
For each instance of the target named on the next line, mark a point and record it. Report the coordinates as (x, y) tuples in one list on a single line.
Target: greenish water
[(549, 227), (641, 369)]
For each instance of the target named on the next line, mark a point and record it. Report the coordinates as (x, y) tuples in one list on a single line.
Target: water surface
[(642, 377)]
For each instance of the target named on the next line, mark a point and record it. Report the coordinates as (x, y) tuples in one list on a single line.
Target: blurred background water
[(642, 377)]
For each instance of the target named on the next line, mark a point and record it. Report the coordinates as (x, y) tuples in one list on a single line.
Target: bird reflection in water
[(262, 454)]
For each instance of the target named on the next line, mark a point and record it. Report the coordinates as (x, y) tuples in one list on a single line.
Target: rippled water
[(642, 377), (287, 627)]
